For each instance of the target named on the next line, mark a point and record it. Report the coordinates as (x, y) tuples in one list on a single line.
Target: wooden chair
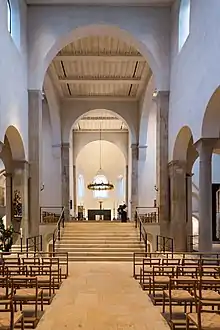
[(43, 273), (146, 270), (178, 294), (159, 281), (8, 317), (204, 319), (55, 269), (26, 292)]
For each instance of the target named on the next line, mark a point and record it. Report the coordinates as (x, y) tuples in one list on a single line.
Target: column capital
[(36, 91), (20, 164), (205, 147), (160, 95), (8, 175), (65, 145), (177, 166)]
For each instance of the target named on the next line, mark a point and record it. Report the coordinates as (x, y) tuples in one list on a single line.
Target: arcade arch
[(87, 132), (16, 181), (113, 165)]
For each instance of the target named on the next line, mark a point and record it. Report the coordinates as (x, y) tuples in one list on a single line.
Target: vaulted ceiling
[(99, 66), (102, 2), (97, 120)]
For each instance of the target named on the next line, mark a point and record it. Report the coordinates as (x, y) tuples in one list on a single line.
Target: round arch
[(149, 49), (180, 151), (16, 143), (127, 121), (211, 119)]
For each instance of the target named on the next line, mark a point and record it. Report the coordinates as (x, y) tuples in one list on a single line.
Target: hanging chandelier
[(100, 182)]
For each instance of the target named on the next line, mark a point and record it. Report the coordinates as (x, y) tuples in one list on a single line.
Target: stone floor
[(101, 296)]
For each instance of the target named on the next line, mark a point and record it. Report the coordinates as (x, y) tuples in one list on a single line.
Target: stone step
[(99, 234), (100, 253), (100, 259), (99, 223), (99, 249), (99, 240), (98, 245)]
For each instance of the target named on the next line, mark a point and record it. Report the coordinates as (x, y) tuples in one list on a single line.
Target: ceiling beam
[(99, 118), (105, 98), (99, 80), (107, 58)]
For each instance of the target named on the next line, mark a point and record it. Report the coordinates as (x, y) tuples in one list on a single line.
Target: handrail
[(149, 214), (37, 243), (57, 231), (142, 230), (164, 243)]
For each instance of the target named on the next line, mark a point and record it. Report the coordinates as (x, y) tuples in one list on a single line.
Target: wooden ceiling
[(99, 67)]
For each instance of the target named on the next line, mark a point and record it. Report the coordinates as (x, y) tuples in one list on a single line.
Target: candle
[(21, 232)]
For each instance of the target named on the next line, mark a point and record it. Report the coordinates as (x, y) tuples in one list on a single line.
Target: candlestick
[(21, 232)]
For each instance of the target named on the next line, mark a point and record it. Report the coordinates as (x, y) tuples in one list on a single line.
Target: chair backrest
[(11, 270), (151, 261), (164, 271), (170, 261)]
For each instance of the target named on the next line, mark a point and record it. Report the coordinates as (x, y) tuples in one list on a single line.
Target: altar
[(98, 214)]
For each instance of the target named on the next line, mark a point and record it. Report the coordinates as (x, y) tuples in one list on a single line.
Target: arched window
[(9, 15), (80, 186), (184, 22), (100, 194)]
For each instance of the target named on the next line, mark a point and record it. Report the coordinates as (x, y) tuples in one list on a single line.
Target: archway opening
[(113, 170), (98, 151), (12, 157)]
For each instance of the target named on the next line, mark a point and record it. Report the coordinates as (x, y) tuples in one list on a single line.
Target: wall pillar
[(162, 102), (189, 206), (65, 178), (74, 191), (8, 184), (134, 179), (126, 185), (178, 212), (34, 146), (20, 183), (205, 147)]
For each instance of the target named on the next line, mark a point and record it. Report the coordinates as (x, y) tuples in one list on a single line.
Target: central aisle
[(101, 296)]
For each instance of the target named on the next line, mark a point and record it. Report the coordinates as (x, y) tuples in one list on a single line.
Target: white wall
[(71, 111), (195, 71), (147, 166), (120, 139), (113, 165), (51, 165), (13, 71), (50, 28)]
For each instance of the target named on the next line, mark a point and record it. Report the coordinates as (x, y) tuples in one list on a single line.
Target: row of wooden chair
[(26, 281), (192, 282)]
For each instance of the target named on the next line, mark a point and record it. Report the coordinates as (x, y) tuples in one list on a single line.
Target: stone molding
[(177, 166)]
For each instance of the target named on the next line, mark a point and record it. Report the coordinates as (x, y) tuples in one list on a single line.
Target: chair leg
[(163, 302), (22, 322), (187, 323), (42, 302)]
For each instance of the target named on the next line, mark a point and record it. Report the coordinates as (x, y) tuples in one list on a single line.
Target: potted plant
[(6, 237)]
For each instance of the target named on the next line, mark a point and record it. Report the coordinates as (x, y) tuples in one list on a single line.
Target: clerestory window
[(9, 15), (184, 22)]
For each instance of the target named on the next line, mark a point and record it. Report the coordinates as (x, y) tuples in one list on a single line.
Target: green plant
[(6, 237)]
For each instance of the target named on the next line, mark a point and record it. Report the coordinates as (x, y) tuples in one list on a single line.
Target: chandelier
[(100, 182)]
